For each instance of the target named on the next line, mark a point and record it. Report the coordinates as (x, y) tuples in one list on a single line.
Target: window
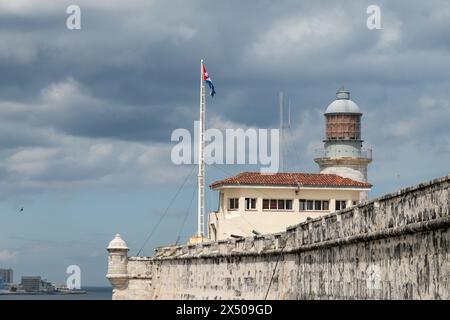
[(288, 204), (314, 205), (250, 203), (273, 204), (302, 205), (233, 204), (341, 204), (318, 205), (277, 204)]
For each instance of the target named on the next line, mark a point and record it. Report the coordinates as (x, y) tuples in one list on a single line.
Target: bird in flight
[(21, 210)]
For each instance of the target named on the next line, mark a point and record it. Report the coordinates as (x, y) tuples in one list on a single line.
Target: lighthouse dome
[(343, 104)]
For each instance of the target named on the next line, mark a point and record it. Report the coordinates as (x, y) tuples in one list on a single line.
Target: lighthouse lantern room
[(343, 153)]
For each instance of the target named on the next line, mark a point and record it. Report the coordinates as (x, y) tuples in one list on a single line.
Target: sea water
[(92, 293)]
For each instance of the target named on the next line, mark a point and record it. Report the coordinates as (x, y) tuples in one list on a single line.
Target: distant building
[(2, 284), (36, 284), (7, 275), (31, 283)]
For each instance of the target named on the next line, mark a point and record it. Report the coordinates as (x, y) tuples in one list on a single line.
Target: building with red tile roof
[(257, 203), (291, 179)]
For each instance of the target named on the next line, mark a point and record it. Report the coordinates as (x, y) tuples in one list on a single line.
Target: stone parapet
[(393, 247)]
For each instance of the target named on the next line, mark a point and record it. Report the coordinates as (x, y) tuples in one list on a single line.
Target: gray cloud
[(130, 77), (92, 110)]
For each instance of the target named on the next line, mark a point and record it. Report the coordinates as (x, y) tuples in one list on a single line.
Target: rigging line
[(185, 216), (166, 211), (224, 171), (274, 270)]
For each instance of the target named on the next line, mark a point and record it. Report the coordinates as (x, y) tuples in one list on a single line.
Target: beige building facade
[(259, 207)]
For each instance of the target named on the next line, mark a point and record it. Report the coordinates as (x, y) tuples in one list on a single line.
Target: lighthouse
[(343, 153)]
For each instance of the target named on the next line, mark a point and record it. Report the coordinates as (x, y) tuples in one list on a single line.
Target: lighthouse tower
[(343, 153)]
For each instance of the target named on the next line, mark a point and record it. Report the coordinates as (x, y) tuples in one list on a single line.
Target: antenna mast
[(289, 115), (282, 127), (280, 101)]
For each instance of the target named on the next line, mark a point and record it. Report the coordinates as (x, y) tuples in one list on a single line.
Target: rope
[(166, 211), (274, 270), (185, 217)]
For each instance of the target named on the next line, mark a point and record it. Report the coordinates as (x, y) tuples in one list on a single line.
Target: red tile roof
[(290, 179)]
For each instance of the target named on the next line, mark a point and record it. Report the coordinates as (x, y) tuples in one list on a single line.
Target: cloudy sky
[(86, 115)]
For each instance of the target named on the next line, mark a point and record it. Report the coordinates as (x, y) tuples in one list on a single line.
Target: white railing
[(365, 153)]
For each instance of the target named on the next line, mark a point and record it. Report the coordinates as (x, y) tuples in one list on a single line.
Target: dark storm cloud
[(86, 116), (132, 72)]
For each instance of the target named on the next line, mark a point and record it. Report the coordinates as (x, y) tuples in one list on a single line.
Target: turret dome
[(117, 243), (343, 104)]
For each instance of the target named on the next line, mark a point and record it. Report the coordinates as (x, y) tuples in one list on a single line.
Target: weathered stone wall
[(394, 247)]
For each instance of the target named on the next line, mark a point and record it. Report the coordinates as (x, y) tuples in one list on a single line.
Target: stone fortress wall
[(394, 247)]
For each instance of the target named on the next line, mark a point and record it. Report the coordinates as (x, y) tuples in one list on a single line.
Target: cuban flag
[(208, 80)]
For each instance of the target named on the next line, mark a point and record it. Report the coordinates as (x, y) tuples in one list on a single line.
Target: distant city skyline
[(86, 115), (6, 276)]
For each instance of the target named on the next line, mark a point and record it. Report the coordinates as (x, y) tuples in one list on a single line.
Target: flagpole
[(201, 159)]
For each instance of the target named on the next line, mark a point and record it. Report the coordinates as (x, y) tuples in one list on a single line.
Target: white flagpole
[(201, 159)]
